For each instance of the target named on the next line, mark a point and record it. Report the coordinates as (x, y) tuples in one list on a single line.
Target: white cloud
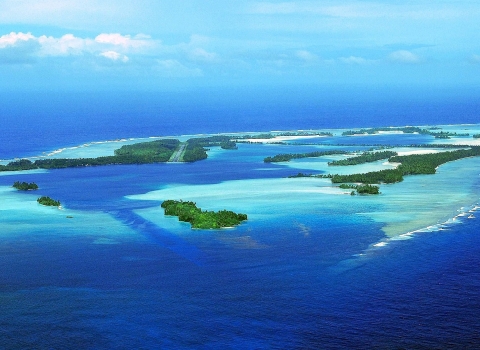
[(306, 55), (21, 47), (124, 41), (66, 45), (114, 56), (404, 56), (13, 39), (355, 60), (18, 48)]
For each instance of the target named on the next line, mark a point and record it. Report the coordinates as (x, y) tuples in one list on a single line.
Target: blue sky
[(157, 44)]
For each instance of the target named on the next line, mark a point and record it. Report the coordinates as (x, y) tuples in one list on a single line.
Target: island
[(405, 130), (200, 219), (49, 202), (414, 164), (25, 186), (361, 189), (366, 157), (158, 151), (148, 152), (195, 149), (286, 157)]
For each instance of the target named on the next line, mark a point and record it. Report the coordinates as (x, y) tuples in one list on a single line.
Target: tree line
[(366, 157), (158, 151), (200, 219), (25, 186), (289, 156), (405, 130), (414, 164)]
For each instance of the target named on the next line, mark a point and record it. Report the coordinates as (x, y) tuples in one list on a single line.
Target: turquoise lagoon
[(109, 270)]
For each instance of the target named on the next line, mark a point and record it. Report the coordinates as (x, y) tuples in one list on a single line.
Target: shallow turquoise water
[(311, 268)]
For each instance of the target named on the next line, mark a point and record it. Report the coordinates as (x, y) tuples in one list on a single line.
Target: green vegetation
[(372, 131), (196, 147), (442, 136), (152, 152), (289, 156), (367, 189), (194, 152), (286, 133), (48, 201), (158, 151), (476, 136), (24, 186), (366, 157), (256, 137), (140, 153), (348, 187), (228, 145), (188, 212), (410, 165), (22, 164), (304, 133), (447, 134), (301, 175), (361, 189), (405, 130), (210, 141), (374, 177), (427, 163)]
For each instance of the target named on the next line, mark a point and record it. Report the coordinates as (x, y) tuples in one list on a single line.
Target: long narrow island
[(158, 151)]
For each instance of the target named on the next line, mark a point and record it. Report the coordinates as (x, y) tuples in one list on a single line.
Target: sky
[(83, 45)]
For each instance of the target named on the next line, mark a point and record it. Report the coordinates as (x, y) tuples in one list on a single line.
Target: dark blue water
[(37, 122), (261, 287)]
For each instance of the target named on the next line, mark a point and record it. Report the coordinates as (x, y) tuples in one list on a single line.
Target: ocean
[(310, 269)]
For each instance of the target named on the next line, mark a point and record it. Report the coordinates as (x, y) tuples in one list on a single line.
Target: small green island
[(361, 189), (25, 186), (200, 219), (49, 202)]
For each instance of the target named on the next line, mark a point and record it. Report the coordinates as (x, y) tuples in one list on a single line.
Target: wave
[(146, 138), (375, 248), (464, 212)]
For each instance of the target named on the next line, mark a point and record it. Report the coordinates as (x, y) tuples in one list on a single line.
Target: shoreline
[(442, 226), (325, 191), (127, 140)]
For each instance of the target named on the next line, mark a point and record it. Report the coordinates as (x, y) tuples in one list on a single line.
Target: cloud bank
[(180, 59)]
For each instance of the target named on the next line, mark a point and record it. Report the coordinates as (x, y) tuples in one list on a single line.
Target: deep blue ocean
[(216, 290)]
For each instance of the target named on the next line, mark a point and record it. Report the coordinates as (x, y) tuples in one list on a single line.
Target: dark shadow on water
[(160, 236)]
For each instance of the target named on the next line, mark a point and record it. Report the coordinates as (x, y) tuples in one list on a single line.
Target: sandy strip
[(283, 138), (418, 151)]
